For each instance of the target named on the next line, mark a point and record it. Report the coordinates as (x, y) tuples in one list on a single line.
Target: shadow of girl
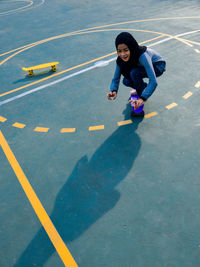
[(88, 193)]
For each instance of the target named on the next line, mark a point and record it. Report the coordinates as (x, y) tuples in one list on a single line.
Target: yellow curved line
[(64, 71), (83, 64), (17, 9), (108, 25), (78, 33), (192, 42), (56, 74)]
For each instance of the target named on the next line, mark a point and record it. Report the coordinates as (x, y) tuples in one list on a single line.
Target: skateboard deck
[(41, 66), (140, 109)]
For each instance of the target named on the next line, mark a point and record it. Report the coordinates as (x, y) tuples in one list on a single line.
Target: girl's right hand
[(112, 95)]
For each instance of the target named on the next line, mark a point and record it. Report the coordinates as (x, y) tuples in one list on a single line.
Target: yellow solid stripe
[(41, 129), (94, 128), (56, 74), (149, 115), (2, 119), (197, 50), (68, 130), (121, 123), (19, 125), (187, 95), (172, 105), (37, 206)]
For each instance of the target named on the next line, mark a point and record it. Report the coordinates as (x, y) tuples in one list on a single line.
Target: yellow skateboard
[(42, 66)]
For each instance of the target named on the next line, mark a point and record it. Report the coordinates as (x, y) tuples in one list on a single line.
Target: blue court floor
[(82, 182)]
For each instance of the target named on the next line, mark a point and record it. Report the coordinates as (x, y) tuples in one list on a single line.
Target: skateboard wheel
[(30, 73), (54, 68)]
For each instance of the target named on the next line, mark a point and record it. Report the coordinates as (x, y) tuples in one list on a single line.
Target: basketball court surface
[(83, 183)]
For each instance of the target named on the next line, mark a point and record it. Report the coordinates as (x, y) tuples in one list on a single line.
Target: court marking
[(19, 125), (105, 26), (125, 122), (41, 213), (17, 9), (68, 130), (41, 129), (98, 127), (197, 85), (187, 95), (172, 105), (86, 63), (21, 9), (152, 114), (2, 119), (95, 128)]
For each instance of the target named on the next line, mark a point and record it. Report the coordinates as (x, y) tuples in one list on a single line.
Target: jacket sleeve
[(116, 79), (145, 60)]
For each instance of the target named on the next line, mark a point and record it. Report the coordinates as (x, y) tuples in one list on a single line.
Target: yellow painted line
[(192, 42), (83, 64), (69, 69), (186, 96), (56, 74), (95, 128), (197, 50), (19, 125), (121, 123), (2, 119), (149, 115), (172, 105), (197, 85), (54, 236), (41, 129), (102, 26), (68, 130)]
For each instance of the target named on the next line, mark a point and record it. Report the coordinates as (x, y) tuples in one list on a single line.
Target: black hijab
[(135, 52)]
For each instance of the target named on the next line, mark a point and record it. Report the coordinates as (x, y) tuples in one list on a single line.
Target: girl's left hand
[(137, 103)]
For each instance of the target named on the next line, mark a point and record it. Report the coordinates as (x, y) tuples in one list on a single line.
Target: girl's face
[(123, 52)]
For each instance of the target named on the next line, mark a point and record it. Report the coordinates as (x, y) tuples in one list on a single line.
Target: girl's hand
[(137, 103), (111, 95)]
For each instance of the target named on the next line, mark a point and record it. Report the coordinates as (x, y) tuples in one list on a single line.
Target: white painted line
[(96, 65), (21, 9), (45, 85), (197, 85)]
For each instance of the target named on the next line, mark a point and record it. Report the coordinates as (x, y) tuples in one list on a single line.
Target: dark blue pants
[(138, 74)]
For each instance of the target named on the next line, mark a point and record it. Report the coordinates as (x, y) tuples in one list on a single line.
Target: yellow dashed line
[(41, 129), (95, 128), (2, 119), (197, 85), (186, 96), (68, 130), (121, 123), (19, 125), (149, 115), (172, 105), (86, 31)]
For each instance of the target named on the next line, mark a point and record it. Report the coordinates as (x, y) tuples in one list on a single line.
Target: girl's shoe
[(133, 92)]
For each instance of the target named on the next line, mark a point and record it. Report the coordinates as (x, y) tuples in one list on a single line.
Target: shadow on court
[(89, 192)]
